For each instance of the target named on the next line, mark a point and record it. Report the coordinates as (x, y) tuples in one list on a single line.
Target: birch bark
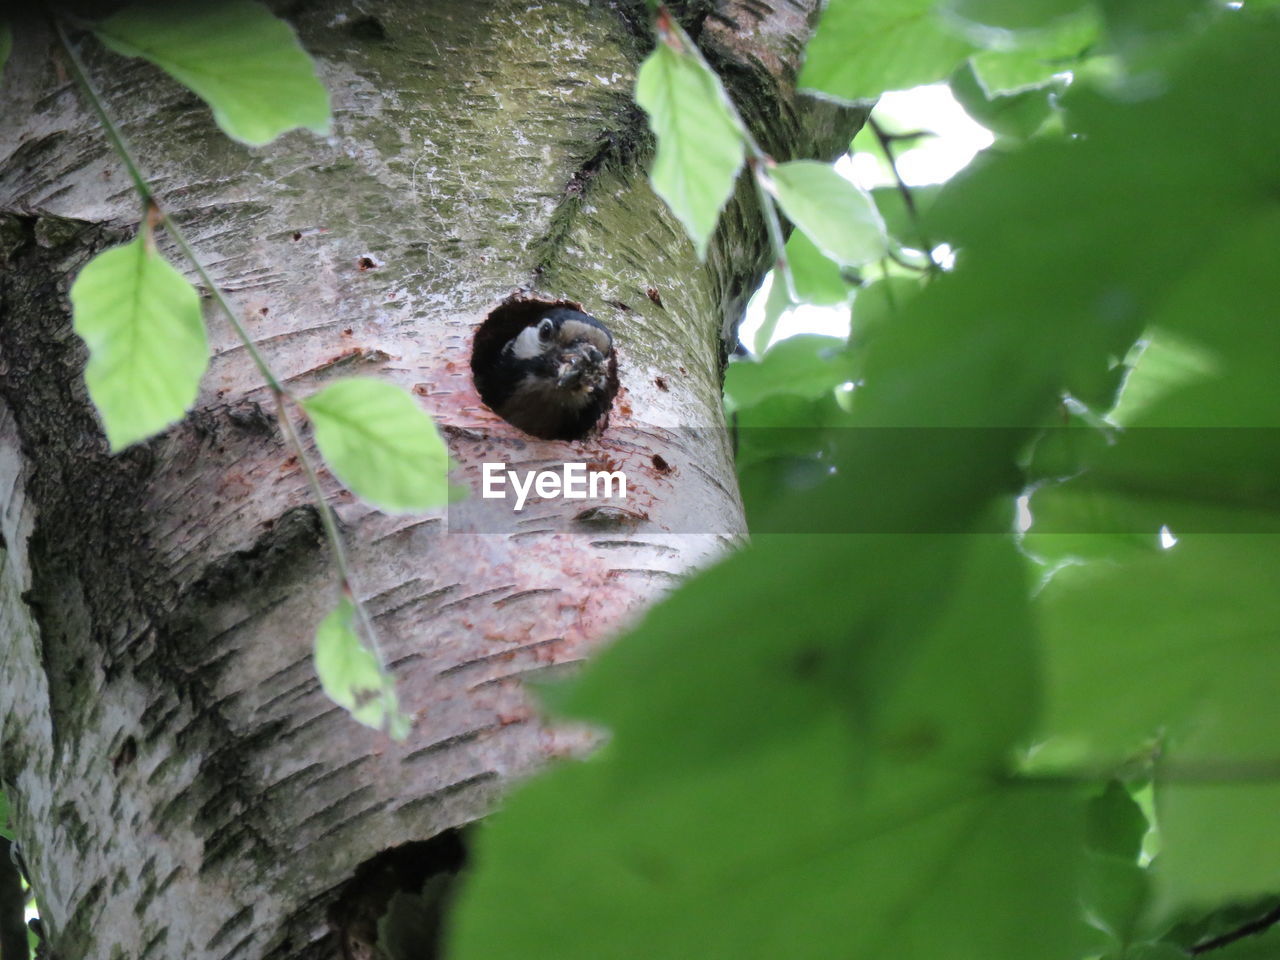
[(181, 786)]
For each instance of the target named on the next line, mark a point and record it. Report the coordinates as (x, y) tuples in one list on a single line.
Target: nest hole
[(368, 29), (503, 323), (394, 904)]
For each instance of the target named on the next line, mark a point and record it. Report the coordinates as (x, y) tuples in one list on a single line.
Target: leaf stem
[(1265, 922), (760, 162), (113, 133), (885, 139), (330, 523), (216, 291), (152, 211), (772, 223)]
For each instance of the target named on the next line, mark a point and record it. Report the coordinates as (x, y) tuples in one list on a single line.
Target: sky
[(931, 160)]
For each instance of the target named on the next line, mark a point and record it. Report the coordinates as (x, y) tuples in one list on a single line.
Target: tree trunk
[(181, 786)]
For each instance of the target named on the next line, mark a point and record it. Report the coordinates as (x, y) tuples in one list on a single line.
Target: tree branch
[(885, 139), (1264, 922)]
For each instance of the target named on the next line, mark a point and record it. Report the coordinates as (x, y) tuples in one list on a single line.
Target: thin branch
[(108, 127), (330, 523), (760, 162), (1264, 922), (153, 213), (885, 140), (259, 361), (896, 257), (772, 223)]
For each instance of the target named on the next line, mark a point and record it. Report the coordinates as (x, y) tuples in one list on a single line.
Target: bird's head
[(565, 351), (555, 377)]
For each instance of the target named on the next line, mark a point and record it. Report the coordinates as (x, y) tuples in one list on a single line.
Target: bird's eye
[(545, 329)]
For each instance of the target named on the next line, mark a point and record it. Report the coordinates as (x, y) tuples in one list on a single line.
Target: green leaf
[(1217, 843), (837, 215), (1165, 363), (381, 444), (1117, 824), (1000, 71), (1135, 25), (1038, 56), (352, 677), (876, 306), (1116, 889), (235, 55), (1159, 951), (818, 279), (776, 304), (807, 365), (1017, 115), (1115, 893), (147, 350), (864, 47), (780, 448), (1200, 452), (841, 800), (700, 146), (1014, 14), (1181, 645), (1175, 643), (5, 830), (898, 220)]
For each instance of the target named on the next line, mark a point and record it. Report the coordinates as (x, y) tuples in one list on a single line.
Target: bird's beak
[(578, 364)]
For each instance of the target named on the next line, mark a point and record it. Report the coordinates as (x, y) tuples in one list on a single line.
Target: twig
[(1264, 922), (906, 264), (759, 164), (885, 140), (330, 523), (153, 213)]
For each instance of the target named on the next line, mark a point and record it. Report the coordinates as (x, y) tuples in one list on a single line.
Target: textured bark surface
[(181, 786)]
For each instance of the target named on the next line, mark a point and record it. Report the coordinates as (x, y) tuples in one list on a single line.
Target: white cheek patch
[(527, 345)]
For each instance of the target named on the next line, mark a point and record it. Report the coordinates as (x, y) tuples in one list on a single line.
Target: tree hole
[(369, 29), (394, 905), (493, 381)]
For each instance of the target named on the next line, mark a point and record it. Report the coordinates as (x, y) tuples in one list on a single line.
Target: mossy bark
[(181, 786)]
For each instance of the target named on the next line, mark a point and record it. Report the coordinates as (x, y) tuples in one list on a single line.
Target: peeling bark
[(181, 786)]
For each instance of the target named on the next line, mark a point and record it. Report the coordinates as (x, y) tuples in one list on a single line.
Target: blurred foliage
[(911, 720)]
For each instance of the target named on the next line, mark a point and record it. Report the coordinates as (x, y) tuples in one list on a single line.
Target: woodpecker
[(554, 379)]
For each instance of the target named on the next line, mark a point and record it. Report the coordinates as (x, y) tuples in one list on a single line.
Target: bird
[(555, 379)]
